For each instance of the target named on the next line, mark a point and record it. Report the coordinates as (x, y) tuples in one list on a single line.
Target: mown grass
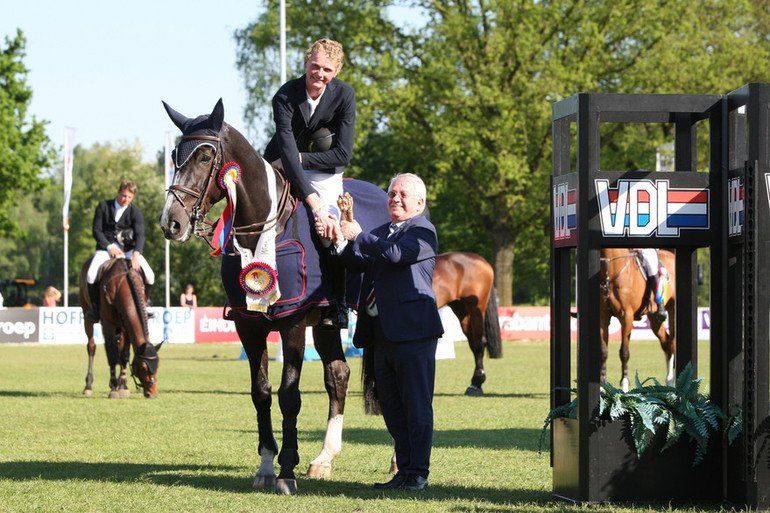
[(193, 449)]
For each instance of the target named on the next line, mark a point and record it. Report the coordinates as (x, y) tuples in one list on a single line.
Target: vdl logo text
[(564, 211), (642, 208)]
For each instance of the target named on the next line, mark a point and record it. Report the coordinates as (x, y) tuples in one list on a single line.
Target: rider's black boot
[(660, 312), (93, 296), (147, 294)]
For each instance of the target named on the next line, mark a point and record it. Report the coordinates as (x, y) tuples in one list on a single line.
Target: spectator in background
[(51, 296), (188, 297)]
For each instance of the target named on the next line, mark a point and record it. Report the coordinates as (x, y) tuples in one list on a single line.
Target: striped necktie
[(371, 304)]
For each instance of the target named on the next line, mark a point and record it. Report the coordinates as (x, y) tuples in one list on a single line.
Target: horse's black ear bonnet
[(209, 125)]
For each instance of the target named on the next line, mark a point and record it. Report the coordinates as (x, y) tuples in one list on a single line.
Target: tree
[(24, 147), (466, 100)]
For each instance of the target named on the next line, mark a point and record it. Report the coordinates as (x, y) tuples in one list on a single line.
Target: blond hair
[(331, 48)]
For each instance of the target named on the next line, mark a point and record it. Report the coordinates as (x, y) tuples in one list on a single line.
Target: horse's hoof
[(114, 394), (319, 470), (88, 392), (124, 392), (285, 486), (264, 481), (474, 391)]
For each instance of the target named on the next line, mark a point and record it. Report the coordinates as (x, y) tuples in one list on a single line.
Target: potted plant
[(643, 455)]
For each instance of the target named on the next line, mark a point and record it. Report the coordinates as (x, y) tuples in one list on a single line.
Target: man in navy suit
[(315, 118), (403, 322)]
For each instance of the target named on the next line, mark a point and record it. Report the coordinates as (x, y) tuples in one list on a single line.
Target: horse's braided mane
[(133, 282)]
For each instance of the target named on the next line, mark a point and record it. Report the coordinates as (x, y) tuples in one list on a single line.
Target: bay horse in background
[(209, 144), (466, 282), (625, 294), (123, 313)]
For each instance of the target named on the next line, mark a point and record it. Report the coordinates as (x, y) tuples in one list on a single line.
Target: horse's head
[(197, 158), (144, 369)]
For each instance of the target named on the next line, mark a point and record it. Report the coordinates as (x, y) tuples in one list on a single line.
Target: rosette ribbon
[(227, 179)]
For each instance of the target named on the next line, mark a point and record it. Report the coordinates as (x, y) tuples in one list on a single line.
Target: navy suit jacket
[(105, 229), (400, 269), (293, 127)]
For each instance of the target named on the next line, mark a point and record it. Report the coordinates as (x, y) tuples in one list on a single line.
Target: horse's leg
[(472, 323), (604, 328), (125, 355), (254, 340), (336, 376), (626, 325), (289, 400), (91, 350), (113, 358), (667, 342)]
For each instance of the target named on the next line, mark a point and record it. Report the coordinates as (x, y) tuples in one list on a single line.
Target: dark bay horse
[(123, 312), (261, 194), (466, 282), (625, 295)]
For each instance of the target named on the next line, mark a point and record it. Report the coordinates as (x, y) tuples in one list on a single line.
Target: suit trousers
[(405, 375)]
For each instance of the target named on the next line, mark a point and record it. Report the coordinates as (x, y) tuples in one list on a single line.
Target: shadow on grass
[(238, 480), (211, 477)]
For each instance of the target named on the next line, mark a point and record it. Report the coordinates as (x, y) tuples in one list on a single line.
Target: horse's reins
[(605, 286)]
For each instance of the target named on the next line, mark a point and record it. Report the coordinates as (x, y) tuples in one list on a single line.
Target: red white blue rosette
[(230, 170), (258, 278)]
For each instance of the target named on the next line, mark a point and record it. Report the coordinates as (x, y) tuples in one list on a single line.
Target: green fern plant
[(679, 409)]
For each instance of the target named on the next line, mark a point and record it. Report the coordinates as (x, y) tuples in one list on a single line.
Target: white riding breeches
[(650, 261), (329, 188), (101, 256)]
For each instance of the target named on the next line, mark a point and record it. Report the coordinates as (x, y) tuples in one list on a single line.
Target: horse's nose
[(171, 229)]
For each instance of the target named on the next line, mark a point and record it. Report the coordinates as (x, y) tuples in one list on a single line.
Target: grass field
[(193, 449)]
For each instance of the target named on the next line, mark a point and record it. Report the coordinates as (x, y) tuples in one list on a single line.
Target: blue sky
[(103, 67)]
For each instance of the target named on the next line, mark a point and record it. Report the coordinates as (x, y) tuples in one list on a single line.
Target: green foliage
[(25, 149), (680, 409), (465, 100)]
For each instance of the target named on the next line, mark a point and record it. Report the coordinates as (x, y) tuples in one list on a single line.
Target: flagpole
[(283, 40), (69, 149), (168, 171)]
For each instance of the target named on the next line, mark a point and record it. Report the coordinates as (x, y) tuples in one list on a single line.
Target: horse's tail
[(492, 327), (371, 403)]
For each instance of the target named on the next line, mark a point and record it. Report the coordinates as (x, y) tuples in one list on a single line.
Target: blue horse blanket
[(300, 258)]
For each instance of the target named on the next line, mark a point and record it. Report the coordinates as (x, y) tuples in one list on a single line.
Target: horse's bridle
[(150, 361), (195, 215)]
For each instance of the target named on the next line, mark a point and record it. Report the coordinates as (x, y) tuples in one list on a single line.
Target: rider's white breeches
[(101, 256)]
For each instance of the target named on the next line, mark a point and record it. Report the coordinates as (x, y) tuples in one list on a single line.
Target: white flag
[(169, 162), (69, 156)]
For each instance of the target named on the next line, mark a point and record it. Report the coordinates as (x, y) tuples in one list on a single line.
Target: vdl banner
[(632, 205)]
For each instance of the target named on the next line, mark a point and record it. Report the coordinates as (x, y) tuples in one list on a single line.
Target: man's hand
[(115, 251), (136, 261), (350, 229), (277, 164), (326, 226)]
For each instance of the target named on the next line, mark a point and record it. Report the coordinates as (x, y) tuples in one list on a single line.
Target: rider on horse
[(313, 142), (119, 232), (651, 266)]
